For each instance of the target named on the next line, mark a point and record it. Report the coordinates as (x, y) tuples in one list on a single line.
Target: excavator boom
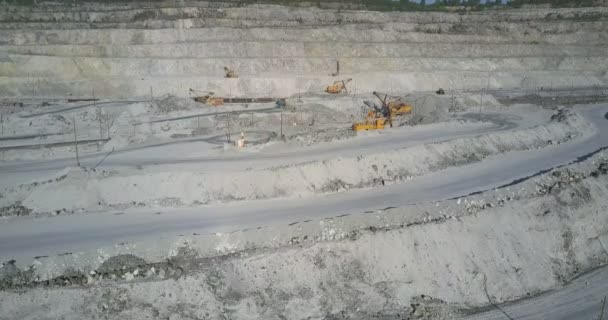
[(390, 108), (393, 106)]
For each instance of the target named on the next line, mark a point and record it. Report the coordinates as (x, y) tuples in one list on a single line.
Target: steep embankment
[(500, 245)]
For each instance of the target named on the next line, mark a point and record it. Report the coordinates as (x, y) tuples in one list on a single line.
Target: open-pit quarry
[(184, 160)]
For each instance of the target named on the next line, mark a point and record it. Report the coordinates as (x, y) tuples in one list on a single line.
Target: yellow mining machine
[(393, 105), (373, 121), (338, 86), (376, 119), (206, 97)]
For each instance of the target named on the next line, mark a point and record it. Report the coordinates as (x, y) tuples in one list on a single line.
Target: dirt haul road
[(582, 298), (184, 152), (24, 239), (181, 152)]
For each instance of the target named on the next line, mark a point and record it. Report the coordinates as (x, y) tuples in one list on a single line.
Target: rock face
[(279, 51)]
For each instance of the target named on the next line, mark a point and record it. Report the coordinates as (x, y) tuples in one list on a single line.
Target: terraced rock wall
[(126, 51)]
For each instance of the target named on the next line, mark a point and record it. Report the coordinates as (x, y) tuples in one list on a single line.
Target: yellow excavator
[(373, 121), (206, 97), (393, 105), (338, 86), (377, 118)]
